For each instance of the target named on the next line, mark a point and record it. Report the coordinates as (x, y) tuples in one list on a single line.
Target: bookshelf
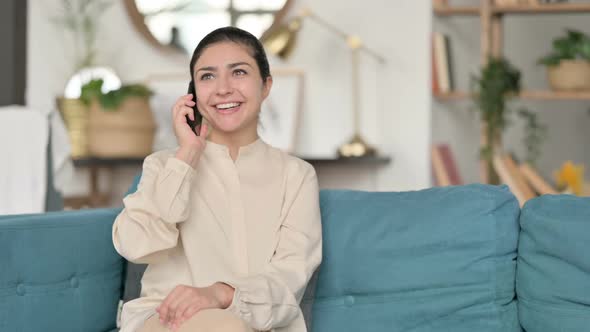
[(526, 95), (491, 44), (564, 8)]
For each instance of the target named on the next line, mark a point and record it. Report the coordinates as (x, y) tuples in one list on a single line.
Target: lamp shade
[(281, 41)]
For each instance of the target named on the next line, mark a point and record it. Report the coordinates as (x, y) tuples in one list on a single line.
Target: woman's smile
[(228, 107)]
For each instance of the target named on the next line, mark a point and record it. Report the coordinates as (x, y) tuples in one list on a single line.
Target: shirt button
[(20, 289), (349, 300)]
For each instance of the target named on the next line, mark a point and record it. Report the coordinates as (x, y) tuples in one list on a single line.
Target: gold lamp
[(281, 42)]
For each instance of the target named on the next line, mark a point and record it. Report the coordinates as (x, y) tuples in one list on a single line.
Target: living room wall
[(395, 104)]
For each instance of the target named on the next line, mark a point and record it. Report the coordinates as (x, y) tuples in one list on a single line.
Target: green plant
[(80, 18), (497, 83), (575, 45), (112, 99)]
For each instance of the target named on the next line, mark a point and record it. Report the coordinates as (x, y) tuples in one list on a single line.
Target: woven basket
[(75, 115), (570, 75), (125, 132)]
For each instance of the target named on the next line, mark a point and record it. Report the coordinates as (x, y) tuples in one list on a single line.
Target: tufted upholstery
[(441, 259), (59, 272)]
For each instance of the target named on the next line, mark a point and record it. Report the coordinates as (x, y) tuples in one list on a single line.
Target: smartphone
[(197, 116)]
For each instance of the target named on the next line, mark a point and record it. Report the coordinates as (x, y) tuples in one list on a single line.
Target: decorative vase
[(570, 75), (127, 132), (75, 115)]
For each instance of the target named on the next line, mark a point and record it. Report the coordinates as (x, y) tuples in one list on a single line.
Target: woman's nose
[(223, 86)]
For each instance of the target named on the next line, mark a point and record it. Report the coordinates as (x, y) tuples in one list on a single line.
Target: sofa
[(463, 258)]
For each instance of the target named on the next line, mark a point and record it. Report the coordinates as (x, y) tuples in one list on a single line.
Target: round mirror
[(176, 26)]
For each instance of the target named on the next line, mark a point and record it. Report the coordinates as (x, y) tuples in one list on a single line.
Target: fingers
[(186, 314), (179, 117), (179, 311), (186, 100), (180, 303), (165, 308)]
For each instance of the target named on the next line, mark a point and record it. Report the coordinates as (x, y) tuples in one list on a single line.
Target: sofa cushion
[(59, 272), (553, 274), (441, 259)]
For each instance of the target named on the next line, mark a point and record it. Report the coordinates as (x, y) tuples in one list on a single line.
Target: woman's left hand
[(185, 301)]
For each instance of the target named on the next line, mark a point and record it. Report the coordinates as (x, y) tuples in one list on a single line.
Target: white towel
[(23, 160), (61, 152)]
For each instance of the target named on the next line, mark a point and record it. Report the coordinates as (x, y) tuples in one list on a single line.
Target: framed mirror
[(176, 26)]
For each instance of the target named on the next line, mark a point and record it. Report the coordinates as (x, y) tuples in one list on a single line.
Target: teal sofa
[(454, 259)]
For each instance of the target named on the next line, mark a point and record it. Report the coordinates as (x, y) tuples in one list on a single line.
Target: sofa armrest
[(59, 271)]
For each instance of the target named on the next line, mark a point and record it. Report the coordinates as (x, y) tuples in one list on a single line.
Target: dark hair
[(238, 36)]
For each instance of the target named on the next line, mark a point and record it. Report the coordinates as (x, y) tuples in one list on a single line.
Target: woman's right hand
[(191, 146)]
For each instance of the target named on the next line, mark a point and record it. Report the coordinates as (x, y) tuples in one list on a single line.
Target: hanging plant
[(497, 84)]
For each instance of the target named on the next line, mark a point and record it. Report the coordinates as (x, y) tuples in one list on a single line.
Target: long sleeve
[(146, 228), (270, 299)]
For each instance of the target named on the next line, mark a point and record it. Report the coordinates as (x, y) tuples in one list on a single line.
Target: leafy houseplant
[(568, 64), (111, 100), (121, 122), (497, 83)]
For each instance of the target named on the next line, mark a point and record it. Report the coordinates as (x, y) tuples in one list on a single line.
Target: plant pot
[(570, 75), (127, 132), (76, 116)]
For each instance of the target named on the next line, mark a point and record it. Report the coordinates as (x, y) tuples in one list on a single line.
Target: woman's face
[(229, 89)]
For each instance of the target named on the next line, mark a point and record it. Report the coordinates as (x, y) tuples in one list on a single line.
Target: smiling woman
[(176, 26)]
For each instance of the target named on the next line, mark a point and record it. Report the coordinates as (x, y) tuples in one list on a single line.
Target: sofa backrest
[(59, 272), (440, 259), (553, 273)]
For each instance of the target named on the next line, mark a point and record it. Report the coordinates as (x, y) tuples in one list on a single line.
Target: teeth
[(228, 105)]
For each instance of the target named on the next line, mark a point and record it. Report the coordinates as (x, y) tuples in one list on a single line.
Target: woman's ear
[(266, 87)]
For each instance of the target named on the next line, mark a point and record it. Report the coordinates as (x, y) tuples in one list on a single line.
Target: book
[(509, 174), (445, 170), (442, 62), (433, 70), (539, 184), (449, 63), (440, 175)]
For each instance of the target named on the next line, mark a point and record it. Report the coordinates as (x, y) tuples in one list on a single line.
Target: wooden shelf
[(450, 96), (106, 162), (527, 95), (370, 160), (555, 95), (549, 9), (112, 162), (456, 10)]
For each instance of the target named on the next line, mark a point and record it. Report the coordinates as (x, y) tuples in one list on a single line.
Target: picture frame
[(167, 88), (281, 111)]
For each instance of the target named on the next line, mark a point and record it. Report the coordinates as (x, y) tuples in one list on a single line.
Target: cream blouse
[(253, 224)]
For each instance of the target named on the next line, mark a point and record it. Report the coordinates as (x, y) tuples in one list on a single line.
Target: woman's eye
[(239, 72), (207, 76)]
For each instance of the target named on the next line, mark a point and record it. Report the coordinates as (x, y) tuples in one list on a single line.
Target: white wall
[(395, 101), (526, 38)]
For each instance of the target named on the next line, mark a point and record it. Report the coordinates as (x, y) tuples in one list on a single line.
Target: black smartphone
[(197, 116)]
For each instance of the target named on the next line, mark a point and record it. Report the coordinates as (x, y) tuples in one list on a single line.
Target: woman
[(229, 226)]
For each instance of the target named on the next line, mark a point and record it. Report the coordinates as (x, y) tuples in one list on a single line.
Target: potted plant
[(121, 122), (568, 65), (498, 83)]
